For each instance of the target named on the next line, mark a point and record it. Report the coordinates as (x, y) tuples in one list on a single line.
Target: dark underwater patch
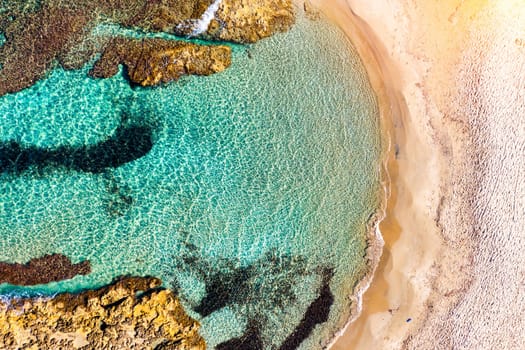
[(271, 277), (45, 269), (267, 283), (316, 313), (250, 340), (128, 143), (118, 199)]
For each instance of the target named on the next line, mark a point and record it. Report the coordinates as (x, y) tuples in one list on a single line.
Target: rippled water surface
[(251, 202)]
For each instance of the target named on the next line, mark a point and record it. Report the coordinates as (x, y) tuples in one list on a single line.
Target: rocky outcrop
[(132, 313), (49, 268), (247, 21), (157, 15), (153, 61)]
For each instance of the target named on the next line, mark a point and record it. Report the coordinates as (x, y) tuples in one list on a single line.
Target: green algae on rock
[(133, 312)]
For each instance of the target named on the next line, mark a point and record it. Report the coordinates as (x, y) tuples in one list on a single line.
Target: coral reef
[(153, 61), (132, 313), (49, 268)]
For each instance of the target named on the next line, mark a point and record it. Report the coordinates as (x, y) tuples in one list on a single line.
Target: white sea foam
[(374, 251), (202, 24)]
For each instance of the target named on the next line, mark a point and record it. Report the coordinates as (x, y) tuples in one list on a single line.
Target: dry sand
[(450, 79)]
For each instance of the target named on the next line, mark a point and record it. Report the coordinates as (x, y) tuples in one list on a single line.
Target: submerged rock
[(35, 40), (153, 61), (132, 313), (49, 268)]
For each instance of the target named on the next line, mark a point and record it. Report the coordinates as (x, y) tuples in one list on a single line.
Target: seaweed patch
[(46, 269), (128, 143), (269, 283), (250, 340), (316, 313), (119, 197)]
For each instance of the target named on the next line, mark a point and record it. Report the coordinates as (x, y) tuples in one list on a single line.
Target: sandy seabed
[(450, 80)]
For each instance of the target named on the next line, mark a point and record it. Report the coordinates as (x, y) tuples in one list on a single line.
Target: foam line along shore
[(434, 69)]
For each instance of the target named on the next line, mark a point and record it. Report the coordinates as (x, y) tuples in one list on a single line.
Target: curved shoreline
[(453, 74), (397, 303), (394, 304), (382, 231), (373, 237), (451, 230)]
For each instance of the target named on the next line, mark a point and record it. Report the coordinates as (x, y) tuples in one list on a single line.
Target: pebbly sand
[(450, 79)]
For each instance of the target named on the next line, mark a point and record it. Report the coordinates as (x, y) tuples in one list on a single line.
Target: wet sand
[(453, 244)]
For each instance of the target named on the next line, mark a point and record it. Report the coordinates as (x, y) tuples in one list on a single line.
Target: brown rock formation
[(247, 21), (157, 15), (49, 268), (132, 313), (153, 61)]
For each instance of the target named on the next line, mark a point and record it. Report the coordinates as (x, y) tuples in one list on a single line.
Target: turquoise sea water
[(252, 203)]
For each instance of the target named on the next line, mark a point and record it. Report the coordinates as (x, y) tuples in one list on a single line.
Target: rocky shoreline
[(64, 32), (150, 62), (131, 313)]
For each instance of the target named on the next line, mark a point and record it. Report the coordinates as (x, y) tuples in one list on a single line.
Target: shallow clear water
[(256, 192)]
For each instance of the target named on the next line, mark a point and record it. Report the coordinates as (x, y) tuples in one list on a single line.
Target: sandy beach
[(449, 77)]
